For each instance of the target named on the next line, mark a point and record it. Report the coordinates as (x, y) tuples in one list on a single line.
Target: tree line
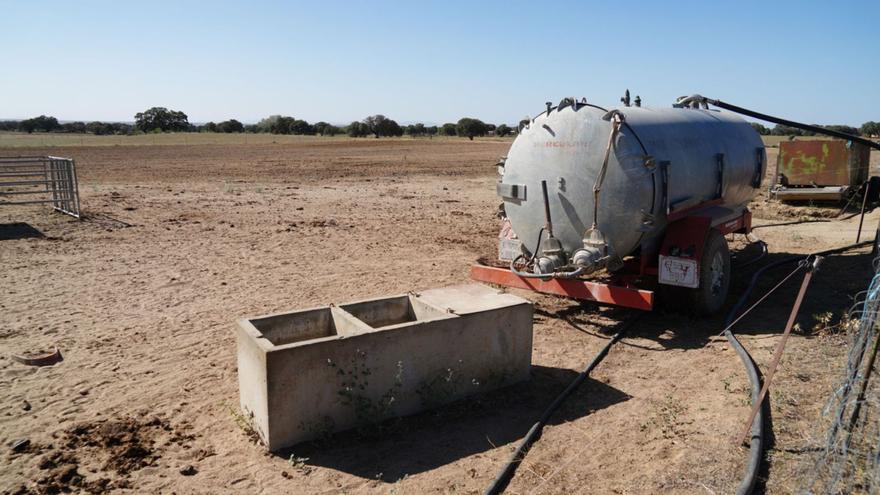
[(161, 119), (868, 129)]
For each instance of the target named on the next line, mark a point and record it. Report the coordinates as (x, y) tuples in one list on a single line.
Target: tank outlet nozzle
[(590, 259), (552, 256), (595, 253)]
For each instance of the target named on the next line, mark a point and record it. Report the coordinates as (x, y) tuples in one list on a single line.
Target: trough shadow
[(20, 230), (425, 441)]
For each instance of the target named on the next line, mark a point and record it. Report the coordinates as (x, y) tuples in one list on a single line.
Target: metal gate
[(29, 180)]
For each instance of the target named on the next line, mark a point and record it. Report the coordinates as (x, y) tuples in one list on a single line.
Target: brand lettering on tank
[(561, 144)]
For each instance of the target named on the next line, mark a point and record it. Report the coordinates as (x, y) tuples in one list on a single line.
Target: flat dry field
[(180, 240)]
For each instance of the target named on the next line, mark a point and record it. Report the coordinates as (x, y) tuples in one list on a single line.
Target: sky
[(813, 61)]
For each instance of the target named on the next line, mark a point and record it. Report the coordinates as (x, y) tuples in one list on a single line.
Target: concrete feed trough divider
[(305, 374)]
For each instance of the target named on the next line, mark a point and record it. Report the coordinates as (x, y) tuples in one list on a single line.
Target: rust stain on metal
[(823, 162)]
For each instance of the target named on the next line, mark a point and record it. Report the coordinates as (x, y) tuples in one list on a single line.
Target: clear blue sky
[(413, 61)]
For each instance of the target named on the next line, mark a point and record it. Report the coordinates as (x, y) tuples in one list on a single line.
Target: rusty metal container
[(822, 163)]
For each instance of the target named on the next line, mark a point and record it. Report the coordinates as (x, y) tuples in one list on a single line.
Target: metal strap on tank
[(616, 119)]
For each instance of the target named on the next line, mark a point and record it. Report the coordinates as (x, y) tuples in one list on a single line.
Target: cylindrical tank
[(662, 160)]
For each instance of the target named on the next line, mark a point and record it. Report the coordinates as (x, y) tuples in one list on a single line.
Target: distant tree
[(502, 130), (431, 130), (99, 128), (760, 129), (357, 129), (74, 127), (210, 127), (447, 129), (120, 128), (784, 130), (229, 126), (469, 128), (26, 126), (374, 123), (276, 124), (380, 125), (161, 119), (843, 128), (319, 127), (300, 127), (329, 130), (870, 129), (42, 123), (390, 128), (416, 129)]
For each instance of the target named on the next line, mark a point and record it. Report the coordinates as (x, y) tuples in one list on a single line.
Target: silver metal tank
[(687, 149)]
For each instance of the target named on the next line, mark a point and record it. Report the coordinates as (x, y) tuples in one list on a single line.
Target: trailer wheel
[(714, 275)]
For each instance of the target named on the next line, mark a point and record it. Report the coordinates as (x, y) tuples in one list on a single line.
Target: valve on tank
[(552, 256)]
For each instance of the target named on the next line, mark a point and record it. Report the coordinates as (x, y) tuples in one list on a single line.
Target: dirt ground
[(181, 240)]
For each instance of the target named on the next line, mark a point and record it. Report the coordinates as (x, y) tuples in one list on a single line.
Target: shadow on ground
[(828, 298), (20, 230), (425, 441)]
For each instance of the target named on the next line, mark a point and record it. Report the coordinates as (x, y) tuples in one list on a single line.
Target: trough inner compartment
[(381, 313), (302, 325)]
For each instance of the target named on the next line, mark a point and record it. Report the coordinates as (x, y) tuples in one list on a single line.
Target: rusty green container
[(822, 163)]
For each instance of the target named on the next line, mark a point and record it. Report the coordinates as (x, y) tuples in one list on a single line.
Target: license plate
[(508, 249), (682, 272)]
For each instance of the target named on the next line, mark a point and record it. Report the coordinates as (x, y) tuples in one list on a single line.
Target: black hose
[(534, 433), (759, 257), (791, 123), (756, 444)]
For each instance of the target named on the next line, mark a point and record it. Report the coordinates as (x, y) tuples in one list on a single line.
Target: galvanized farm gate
[(29, 180)]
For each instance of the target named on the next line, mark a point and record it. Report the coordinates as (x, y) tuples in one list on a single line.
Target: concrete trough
[(305, 374)]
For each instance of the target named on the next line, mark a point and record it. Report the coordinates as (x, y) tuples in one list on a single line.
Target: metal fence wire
[(849, 460), (29, 180)]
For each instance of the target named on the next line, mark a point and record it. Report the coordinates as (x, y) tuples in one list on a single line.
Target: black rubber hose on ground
[(534, 433), (756, 444), (764, 251)]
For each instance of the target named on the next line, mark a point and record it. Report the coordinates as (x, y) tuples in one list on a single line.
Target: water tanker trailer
[(611, 205)]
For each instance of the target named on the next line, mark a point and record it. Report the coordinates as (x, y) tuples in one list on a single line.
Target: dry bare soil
[(181, 240)]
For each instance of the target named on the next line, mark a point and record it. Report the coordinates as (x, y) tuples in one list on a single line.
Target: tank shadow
[(829, 297), (425, 441), (14, 231)]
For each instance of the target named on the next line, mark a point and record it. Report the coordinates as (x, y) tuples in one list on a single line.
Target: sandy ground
[(180, 241)]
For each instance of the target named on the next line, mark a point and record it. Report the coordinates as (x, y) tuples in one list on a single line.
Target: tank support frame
[(634, 285)]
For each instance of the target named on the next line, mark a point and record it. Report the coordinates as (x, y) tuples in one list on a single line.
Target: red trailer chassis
[(685, 238)]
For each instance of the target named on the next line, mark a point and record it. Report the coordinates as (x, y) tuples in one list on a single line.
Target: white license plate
[(682, 272), (508, 249)]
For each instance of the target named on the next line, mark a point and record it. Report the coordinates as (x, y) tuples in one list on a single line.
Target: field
[(182, 238)]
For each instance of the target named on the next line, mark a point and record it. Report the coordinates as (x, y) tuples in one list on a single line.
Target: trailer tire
[(711, 295)]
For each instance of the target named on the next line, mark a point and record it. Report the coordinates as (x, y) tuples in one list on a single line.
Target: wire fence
[(849, 460)]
